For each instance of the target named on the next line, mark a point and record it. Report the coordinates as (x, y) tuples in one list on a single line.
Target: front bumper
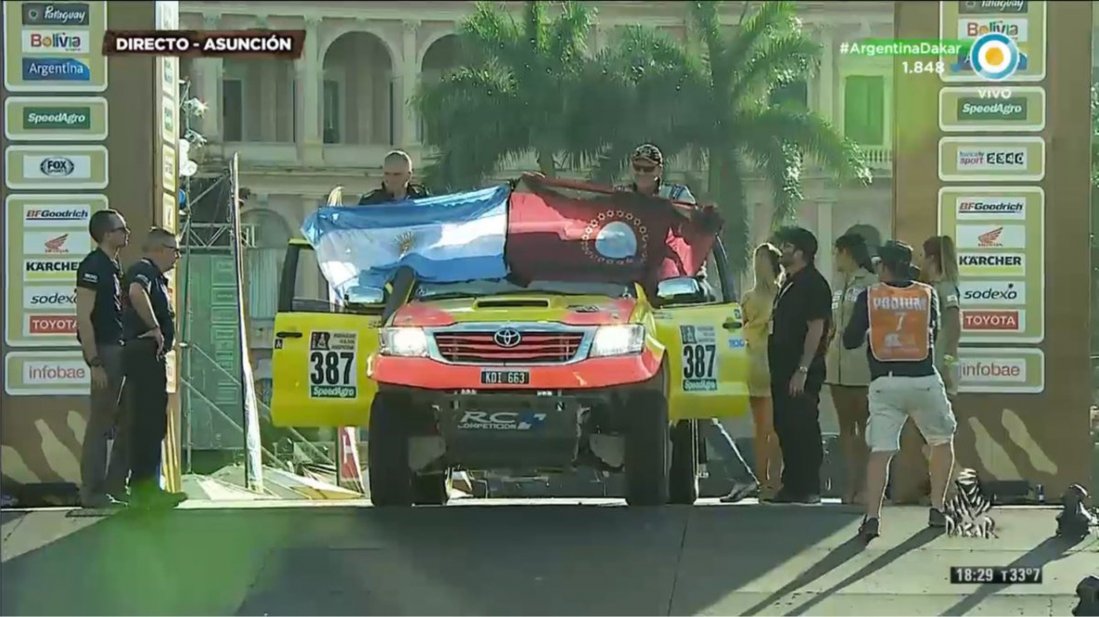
[(593, 373)]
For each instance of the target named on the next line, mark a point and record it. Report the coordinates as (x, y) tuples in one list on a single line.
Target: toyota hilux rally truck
[(491, 376)]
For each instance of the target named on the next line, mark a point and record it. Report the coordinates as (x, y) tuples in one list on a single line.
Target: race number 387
[(700, 362), (332, 365)]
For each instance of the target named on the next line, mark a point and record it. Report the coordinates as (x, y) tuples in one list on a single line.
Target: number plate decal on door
[(333, 365), (699, 358)]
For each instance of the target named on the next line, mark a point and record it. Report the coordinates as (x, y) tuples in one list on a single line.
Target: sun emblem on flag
[(405, 242), (615, 237)]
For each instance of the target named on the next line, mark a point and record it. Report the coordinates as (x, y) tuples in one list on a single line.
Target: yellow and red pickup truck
[(490, 375)]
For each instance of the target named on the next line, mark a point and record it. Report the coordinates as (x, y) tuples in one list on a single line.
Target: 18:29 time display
[(995, 575)]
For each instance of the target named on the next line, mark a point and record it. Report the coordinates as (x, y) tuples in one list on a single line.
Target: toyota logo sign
[(507, 337)]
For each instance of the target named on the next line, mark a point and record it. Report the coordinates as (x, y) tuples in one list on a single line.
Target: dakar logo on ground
[(616, 237)]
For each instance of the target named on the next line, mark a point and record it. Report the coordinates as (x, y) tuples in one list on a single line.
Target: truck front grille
[(534, 348)]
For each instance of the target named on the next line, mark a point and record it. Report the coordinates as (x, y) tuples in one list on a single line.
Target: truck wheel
[(647, 451), (431, 489), (387, 455), (683, 477)]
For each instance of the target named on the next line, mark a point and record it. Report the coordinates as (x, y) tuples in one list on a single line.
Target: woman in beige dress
[(848, 375), (757, 304)]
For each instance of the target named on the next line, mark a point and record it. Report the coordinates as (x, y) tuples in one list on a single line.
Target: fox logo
[(57, 245), (990, 239)]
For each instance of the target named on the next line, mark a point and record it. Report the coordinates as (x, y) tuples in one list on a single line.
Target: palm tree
[(509, 98), (714, 103)]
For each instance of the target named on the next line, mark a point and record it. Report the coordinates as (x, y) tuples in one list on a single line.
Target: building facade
[(304, 126)]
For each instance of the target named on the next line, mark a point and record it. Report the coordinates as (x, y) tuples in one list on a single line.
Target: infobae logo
[(55, 372), (1007, 371)]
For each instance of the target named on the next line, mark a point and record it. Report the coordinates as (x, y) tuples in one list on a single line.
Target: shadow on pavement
[(491, 559), (533, 560), (921, 538)]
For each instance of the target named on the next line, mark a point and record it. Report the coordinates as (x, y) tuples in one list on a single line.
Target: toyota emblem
[(507, 337)]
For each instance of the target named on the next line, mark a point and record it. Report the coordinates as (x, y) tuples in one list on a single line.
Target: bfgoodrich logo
[(55, 69), (58, 215), (984, 208), (55, 14)]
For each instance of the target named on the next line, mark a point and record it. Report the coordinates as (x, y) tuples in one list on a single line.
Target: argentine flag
[(444, 239)]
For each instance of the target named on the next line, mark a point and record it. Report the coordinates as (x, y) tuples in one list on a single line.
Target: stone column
[(207, 87), (407, 77), (826, 102), (307, 73)]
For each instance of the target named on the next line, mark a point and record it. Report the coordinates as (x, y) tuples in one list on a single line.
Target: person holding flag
[(900, 318)]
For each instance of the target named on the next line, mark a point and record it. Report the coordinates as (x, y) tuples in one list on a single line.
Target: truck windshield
[(480, 289)]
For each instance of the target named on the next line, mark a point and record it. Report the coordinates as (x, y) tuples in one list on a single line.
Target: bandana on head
[(648, 152)]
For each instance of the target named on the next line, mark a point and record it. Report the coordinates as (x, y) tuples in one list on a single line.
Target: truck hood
[(570, 310)]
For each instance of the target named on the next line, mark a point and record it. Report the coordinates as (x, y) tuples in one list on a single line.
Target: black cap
[(648, 152)]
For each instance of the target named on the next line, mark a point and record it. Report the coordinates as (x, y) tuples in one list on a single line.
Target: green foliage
[(717, 103), (511, 96), (529, 86)]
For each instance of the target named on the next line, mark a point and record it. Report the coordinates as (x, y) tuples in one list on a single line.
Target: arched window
[(263, 261)]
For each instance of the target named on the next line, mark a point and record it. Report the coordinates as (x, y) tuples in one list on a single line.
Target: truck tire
[(431, 489), (387, 455), (647, 451), (683, 477)]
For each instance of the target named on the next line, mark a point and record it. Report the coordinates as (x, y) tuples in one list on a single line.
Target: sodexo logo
[(994, 56)]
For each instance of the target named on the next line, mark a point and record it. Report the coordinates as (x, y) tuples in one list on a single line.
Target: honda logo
[(507, 337)]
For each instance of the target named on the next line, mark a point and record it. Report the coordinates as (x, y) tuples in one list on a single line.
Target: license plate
[(505, 378)]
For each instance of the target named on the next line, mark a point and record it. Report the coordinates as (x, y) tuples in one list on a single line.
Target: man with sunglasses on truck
[(647, 165)]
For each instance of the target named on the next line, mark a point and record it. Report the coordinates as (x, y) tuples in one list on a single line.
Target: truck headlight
[(618, 340), (404, 342)]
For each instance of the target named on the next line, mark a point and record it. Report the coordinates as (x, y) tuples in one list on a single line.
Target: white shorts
[(894, 399)]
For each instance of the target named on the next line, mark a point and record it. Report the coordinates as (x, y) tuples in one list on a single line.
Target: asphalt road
[(556, 557)]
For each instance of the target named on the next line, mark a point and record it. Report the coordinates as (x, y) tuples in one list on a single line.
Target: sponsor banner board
[(1000, 235), (992, 109), (40, 118), (1025, 22), (55, 47), (56, 167), (46, 237)]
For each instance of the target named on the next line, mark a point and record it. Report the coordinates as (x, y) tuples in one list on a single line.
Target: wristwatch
[(95, 362), (803, 369)]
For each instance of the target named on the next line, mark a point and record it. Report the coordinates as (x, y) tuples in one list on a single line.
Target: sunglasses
[(643, 168)]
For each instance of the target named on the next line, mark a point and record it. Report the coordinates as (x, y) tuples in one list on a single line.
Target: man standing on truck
[(902, 316), (99, 332), (396, 181), (647, 163)]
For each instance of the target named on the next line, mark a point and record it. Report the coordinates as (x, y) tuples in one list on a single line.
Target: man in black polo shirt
[(396, 181), (796, 348), (149, 326), (901, 317), (99, 331)]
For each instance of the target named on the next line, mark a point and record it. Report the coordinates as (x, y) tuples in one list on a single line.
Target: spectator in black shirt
[(149, 326), (901, 317), (795, 351), (99, 331), (396, 181)]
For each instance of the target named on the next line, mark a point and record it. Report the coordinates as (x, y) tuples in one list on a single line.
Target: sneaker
[(869, 529), (740, 491), (936, 518)]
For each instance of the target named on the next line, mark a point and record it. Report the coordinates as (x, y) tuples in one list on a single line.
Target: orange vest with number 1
[(900, 322)]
